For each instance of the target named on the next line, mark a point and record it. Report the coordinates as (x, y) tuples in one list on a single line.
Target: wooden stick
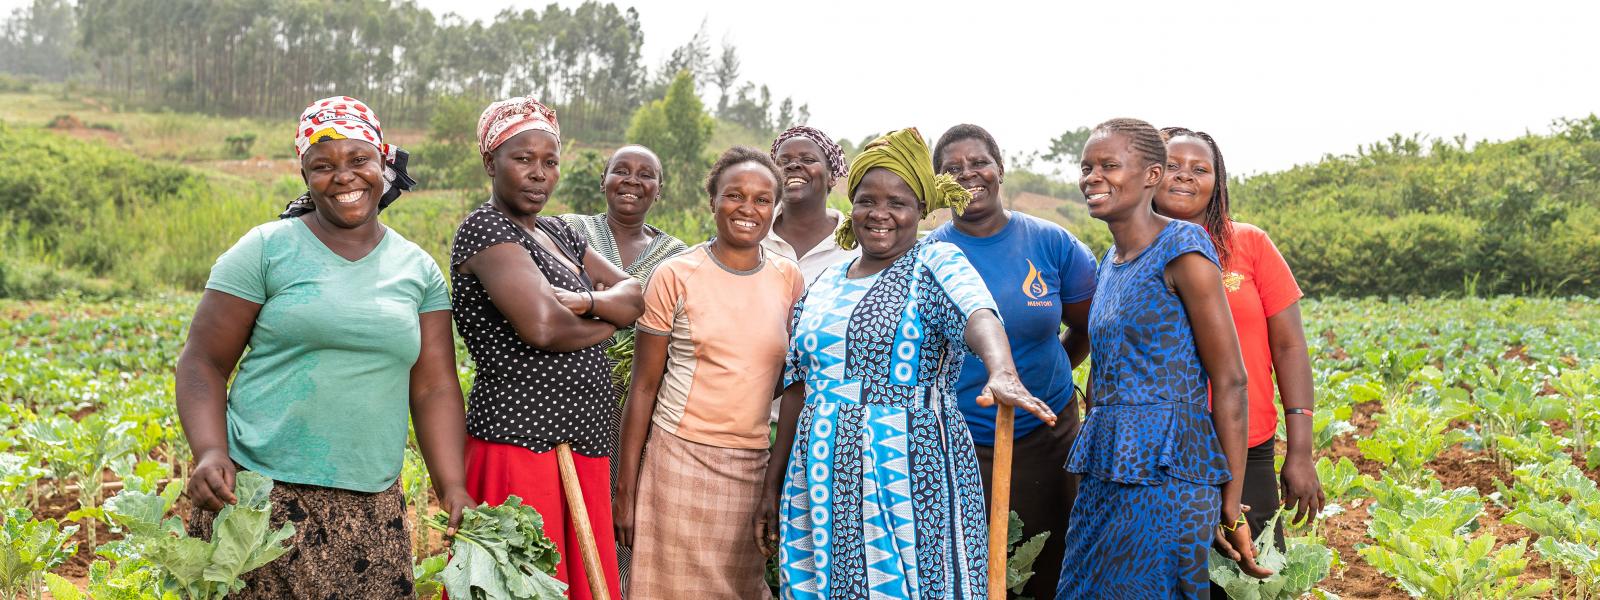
[(580, 521), (1000, 500)]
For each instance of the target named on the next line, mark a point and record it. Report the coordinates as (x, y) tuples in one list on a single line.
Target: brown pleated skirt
[(693, 536)]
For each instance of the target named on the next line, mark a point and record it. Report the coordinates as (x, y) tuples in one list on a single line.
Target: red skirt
[(495, 471)]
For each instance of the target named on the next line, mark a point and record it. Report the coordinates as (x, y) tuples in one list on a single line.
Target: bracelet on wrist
[(1297, 411), (1231, 527), (589, 314)]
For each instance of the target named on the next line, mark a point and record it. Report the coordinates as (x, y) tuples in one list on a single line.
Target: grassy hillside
[(1409, 215), (109, 203)]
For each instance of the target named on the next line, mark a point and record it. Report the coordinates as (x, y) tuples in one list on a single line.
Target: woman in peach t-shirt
[(1264, 300), (709, 353)]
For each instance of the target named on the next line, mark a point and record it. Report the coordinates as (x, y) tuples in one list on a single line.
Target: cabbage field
[(1456, 441)]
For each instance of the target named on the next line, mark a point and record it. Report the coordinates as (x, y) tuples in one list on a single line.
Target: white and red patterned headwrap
[(346, 118), (507, 118), (339, 118)]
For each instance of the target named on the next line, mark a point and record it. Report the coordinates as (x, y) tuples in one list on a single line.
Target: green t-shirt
[(323, 395)]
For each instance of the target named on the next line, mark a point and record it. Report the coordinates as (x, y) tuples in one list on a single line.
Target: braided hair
[(1145, 138), (1215, 218)]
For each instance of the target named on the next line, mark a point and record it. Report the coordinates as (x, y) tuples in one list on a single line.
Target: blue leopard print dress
[(882, 497), (1150, 497)]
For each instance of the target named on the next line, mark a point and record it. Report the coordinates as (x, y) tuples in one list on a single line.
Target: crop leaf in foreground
[(500, 553)]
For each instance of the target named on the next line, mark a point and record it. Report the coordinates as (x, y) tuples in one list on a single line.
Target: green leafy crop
[(28, 549), (1019, 563), (242, 539), (499, 553), (1296, 569)]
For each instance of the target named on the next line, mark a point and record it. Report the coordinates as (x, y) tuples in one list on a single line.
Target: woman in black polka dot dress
[(534, 306)]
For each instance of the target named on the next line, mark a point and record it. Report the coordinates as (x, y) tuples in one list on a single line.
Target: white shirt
[(825, 254)]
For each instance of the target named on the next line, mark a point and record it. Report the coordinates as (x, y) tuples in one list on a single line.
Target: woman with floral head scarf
[(535, 305), (873, 490), (348, 326)]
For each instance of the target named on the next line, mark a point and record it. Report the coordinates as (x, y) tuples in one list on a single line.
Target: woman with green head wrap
[(873, 489)]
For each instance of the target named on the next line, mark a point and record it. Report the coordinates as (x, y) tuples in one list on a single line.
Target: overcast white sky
[(1278, 83)]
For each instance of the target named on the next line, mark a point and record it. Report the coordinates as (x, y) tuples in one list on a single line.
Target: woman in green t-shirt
[(348, 329)]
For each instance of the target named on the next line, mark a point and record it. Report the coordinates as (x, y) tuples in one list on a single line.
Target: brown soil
[(72, 126), (57, 507), (1345, 445), (65, 122), (1457, 467), (1344, 530), (1364, 417), (1358, 580), (1518, 352)]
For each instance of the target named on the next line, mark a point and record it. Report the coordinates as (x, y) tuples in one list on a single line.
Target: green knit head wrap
[(904, 153)]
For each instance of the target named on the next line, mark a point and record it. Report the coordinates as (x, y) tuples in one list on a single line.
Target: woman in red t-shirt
[(1264, 300)]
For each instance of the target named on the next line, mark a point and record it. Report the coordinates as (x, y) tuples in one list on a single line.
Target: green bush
[(1405, 216), (239, 144), (82, 216)]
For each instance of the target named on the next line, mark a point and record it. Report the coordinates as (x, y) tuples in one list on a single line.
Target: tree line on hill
[(269, 57), (1407, 215)]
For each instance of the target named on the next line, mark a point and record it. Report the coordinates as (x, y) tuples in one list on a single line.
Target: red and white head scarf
[(507, 118), (340, 118), (346, 118)]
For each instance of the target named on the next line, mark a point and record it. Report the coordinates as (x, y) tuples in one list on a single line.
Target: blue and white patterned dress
[(1149, 500), (882, 497)]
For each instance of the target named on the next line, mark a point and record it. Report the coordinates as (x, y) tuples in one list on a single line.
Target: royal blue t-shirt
[(1034, 268)]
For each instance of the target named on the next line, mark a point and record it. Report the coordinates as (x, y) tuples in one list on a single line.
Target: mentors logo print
[(1034, 286)]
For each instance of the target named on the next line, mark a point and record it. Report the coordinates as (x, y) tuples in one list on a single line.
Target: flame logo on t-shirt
[(1232, 280), (1034, 286)]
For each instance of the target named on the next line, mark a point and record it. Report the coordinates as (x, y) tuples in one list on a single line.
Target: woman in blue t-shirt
[(348, 329), (1041, 278)]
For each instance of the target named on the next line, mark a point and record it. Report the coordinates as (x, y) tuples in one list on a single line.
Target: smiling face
[(884, 213), (1190, 181), (1114, 178), (525, 170), (745, 196), (632, 182), (806, 175), (976, 169), (345, 178)]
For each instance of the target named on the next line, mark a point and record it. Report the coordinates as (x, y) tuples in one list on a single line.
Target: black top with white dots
[(523, 395)]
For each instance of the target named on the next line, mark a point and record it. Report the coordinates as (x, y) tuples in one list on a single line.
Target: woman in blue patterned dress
[(880, 495), (1160, 471)]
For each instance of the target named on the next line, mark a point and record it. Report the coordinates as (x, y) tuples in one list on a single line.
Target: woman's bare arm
[(521, 293)]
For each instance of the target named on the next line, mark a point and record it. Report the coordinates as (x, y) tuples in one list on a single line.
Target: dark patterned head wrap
[(346, 118), (830, 151), (904, 153)]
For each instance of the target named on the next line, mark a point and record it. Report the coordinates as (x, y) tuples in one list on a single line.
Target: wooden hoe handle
[(1000, 501), (580, 520)]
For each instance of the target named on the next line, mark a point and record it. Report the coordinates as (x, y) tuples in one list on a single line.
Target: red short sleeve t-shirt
[(1259, 285)]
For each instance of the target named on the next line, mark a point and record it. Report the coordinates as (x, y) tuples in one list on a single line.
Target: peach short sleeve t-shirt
[(728, 331), (1259, 285)]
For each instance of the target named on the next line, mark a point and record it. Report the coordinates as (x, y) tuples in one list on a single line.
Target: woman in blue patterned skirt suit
[(1161, 472), (880, 496)]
